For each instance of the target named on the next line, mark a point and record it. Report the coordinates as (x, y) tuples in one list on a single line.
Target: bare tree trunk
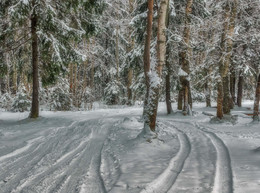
[(35, 63), (257, 100), (240, 89)]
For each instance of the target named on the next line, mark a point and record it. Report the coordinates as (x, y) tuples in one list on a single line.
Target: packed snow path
[(100, 151)]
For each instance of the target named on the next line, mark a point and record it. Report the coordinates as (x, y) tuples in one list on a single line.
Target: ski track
[(63, 159), (223, 177), (164, 182)]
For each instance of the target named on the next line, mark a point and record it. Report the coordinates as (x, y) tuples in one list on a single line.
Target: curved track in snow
[(203, 164), (170, 174), (78, 155)]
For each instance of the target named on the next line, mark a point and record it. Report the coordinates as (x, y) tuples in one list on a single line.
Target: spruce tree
[(56, 26)]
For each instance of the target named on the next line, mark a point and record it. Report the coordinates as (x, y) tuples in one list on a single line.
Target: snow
[(102, 151)]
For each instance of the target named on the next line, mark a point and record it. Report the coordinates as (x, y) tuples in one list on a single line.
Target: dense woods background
[(65, 55)]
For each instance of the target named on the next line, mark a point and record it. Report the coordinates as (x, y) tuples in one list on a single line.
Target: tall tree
[(185, 91), (226, 45), (153, 71)]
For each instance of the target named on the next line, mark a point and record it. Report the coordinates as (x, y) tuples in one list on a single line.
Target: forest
[(123, 95), (68, 55)]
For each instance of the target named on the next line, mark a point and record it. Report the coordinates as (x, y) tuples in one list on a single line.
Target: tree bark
[(257, 100), (35, 64)]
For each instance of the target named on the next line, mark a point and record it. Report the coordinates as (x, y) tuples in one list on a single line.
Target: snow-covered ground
[(103, 151)]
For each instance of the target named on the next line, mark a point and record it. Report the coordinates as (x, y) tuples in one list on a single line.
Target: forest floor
[(102, 151)]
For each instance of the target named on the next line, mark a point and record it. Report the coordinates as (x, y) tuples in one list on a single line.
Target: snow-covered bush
[(21, 101), (113, 92), (60, 97), (6, 101), (88, 99)]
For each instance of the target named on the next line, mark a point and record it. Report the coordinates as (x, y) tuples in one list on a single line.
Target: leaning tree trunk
[(35, 64), (257, 100), (184, 60)]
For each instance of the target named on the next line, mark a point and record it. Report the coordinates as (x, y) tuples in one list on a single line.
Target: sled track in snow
[(223, 177), (165, 180)]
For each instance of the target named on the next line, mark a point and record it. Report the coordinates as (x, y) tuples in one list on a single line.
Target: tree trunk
[(184, 59), (208, 95), (117, 52), (168, 75), (257, 100), (155, 72), (220, 99), (129, 83), (35, 65), (147, 63), (233, 85), (224, 65), (7, 77), (240, 89), (227, 97), (130, 69), (14, 79), (180, 99)]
